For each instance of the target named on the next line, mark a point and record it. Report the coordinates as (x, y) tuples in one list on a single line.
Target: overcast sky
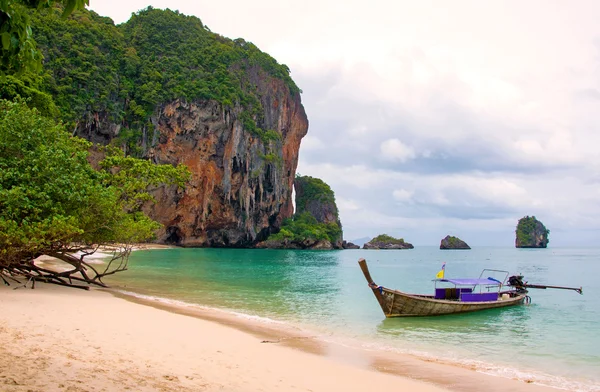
[(430, 118)]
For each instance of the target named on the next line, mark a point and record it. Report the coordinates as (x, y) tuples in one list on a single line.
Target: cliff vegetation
[(531, 233), (124, 72)]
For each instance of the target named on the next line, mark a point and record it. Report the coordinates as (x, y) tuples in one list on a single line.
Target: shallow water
[(554, 341)]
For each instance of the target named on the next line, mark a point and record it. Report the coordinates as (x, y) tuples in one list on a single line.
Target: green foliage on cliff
[(387, 239), (453, 241), (11, 88), (312, 189), (526, 231), (123, 73), (305, 226), (19, 53), (51, 199)]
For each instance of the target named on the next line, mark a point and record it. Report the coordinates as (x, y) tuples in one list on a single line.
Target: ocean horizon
[(552, 341)]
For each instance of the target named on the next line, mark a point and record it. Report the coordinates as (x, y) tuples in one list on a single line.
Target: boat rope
[(374, 286)]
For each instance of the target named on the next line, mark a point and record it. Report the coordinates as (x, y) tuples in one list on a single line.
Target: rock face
[(531, 233), (385, 241), (240, 189), (451, 242)]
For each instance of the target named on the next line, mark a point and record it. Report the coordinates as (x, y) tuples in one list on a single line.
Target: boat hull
[(396, 303)]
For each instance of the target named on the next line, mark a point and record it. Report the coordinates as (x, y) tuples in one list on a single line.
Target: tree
[(19, 52), (53, 202)]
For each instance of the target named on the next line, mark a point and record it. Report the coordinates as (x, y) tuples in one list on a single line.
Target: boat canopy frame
[(487, 283)]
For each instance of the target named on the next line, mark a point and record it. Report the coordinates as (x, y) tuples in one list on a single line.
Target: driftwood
[(26, 270)]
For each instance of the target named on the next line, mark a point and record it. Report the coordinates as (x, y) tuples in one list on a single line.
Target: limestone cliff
[(241, 188), (531, 233)]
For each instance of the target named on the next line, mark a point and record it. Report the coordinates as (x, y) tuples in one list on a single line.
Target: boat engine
[(517, 282)]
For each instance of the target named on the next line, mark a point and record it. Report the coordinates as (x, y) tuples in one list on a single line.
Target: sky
[(430, 118)]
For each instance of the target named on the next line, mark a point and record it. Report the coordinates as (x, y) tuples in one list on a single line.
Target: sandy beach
[(61, 339)]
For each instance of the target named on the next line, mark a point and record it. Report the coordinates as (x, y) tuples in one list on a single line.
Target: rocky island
[(531, 233), (451, 242), (384, 241)]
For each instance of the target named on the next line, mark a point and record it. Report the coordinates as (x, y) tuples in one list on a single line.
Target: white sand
[(60, 339)]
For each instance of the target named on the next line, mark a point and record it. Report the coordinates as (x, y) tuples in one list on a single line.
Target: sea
[(553, 341)]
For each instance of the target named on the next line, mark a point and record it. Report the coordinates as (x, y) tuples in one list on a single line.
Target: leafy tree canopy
[(19, 52), (305, 226), (53, 202), (312, 189)]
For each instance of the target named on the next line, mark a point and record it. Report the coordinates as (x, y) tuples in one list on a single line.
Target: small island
[(451, 242), (531, 233), (384, 241)]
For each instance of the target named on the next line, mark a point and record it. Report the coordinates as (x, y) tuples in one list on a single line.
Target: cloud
[(396, 151)]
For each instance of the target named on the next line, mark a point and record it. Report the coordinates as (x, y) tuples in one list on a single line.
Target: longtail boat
[(467, 295)]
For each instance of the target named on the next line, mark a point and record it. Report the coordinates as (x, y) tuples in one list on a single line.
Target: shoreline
[(56, 338), (434, 371)]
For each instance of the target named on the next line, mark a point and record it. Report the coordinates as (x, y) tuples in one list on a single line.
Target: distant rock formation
[(451, 242), (349, 245), (531, 233), (384, 241)]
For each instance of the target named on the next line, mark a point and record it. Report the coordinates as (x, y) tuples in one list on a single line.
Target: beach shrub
[(53, 202)]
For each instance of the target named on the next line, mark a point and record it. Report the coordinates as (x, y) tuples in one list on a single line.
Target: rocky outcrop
[(316, 197), (531, 233), (349, 245), (451, 242), (385, 241)]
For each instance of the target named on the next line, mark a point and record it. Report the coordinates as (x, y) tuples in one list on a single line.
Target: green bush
[(387, 239)]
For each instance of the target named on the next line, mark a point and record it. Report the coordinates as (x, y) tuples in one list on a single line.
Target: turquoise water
[(554, 341)]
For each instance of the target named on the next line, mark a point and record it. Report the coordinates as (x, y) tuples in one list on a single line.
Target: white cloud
[(310, 142), (396, 151), (402, 195)]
